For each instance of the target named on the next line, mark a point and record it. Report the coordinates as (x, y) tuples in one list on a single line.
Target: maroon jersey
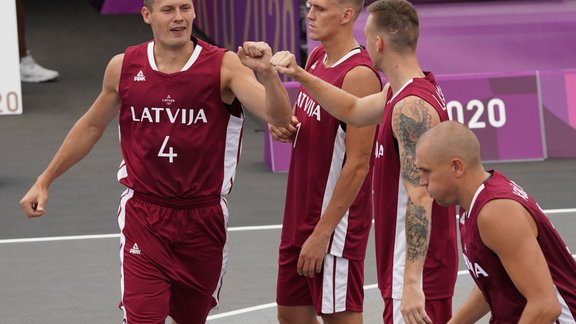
[(180, 142), (390, 199), (506, 302), (318, 155)]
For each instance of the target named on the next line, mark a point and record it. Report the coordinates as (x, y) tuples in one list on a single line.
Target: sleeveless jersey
[(506, 302), (180, 143), (318, 155), (390, 198)]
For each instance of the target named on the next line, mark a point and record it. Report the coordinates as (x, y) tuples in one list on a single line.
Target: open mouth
[(178, 29)]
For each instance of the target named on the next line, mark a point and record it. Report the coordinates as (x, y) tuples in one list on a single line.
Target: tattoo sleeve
[(413, 119), (417, 228)]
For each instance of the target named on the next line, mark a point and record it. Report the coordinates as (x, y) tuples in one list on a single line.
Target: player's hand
[(34, 201), (285, 63), (312, 255), (412, 305), (282, 134), (255, 55)]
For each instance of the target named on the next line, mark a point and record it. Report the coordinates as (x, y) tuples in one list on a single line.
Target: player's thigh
[(343, 318), (339, 287), (292, 289), (439, 310)]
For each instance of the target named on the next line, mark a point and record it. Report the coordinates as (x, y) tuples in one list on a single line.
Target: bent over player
[(524, 272)]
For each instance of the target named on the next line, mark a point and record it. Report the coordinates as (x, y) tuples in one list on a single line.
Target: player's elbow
[(548, 310), (553, 310)]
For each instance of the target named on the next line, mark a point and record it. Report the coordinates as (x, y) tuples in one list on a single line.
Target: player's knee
[(297, 315), (343, 318)]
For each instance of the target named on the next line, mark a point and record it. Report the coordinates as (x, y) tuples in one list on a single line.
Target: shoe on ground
[(30, 71)]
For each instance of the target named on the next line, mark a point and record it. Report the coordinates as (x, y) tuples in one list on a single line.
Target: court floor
[(64, 267)]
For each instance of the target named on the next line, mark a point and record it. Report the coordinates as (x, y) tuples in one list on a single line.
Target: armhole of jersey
[(235, 108), (311, 58)]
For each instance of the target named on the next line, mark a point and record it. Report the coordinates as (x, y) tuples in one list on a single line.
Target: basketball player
[(180, 121), (328, 211), (524, 272), (416, 249)]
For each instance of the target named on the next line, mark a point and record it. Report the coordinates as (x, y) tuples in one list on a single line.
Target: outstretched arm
[(360, 81), (266, 96), (514, 239), (354, 111), (412, 117), (79, 141)]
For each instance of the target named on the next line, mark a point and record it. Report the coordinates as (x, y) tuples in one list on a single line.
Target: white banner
[(10, 89)]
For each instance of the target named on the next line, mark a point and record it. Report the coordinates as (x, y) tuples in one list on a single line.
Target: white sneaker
[(30, 71)]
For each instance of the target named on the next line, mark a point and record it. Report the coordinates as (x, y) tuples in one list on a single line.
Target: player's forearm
[(336, 101), (347, 187), (472, 310), (278, 106), (417, 227)]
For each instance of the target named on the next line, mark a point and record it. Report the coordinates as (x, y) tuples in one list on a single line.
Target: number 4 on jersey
[(170, 154)]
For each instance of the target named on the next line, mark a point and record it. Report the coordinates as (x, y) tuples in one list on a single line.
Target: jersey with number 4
[(179, 140)]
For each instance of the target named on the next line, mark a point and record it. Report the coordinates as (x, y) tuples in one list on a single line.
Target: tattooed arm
[(412, 116)]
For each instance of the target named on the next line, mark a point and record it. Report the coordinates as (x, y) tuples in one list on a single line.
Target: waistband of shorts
[(175, 203)]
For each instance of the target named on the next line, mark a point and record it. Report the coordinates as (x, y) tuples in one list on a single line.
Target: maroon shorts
[(439, 310), (172, 260), (337, 288)]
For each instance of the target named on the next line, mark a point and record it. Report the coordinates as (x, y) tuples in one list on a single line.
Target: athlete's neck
[(171, 59)]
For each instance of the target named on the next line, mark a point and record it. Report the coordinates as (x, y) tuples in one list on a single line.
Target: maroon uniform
[(506, 302), (180, 145), (318, 156), (390, 199)]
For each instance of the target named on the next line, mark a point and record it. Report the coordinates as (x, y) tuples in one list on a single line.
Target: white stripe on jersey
[(399, 242), (338, 154), (566, 315), (334, 284), (225, 214), (128, 193), (232, 152), (122, 171)]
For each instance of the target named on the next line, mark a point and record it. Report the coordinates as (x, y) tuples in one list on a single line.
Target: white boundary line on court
[(230, 229), (272, 305)]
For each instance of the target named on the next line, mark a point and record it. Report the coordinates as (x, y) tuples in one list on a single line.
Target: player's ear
[(145, 12), (457, 166), (348, 15)]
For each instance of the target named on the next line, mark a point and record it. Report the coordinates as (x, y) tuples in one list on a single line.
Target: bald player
[(524, 272)]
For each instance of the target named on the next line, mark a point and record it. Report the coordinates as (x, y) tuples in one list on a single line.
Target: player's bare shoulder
[(412, 116), (113, 72)]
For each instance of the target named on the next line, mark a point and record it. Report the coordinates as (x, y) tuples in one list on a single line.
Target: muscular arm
[(360, 81), (412, 116), (354, 111), (472, 310), (514, 239), (266, 96), (80, 140)]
